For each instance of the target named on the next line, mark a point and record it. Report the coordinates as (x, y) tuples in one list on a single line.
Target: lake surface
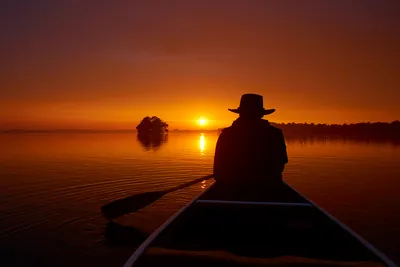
[(53, 185)]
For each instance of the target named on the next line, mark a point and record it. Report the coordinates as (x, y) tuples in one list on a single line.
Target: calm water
[(52, 186)]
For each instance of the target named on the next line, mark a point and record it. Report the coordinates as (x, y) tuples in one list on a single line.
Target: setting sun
[(202, 121)]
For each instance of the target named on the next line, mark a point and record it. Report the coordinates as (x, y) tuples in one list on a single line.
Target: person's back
[(251, 152)]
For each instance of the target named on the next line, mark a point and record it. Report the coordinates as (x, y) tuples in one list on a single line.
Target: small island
[(152, 126), (152, 133)]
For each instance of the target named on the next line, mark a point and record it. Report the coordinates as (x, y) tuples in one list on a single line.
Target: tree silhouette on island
[(152, 133), (152, 126)]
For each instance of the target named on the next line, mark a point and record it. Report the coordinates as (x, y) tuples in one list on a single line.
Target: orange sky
[(81, 64)]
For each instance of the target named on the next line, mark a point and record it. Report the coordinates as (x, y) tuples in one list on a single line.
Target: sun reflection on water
[(202, 143)]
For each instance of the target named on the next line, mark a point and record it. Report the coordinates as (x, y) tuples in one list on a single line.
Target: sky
[(107, 64)]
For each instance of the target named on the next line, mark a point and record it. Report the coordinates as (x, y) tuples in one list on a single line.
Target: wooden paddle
[(136, 202)]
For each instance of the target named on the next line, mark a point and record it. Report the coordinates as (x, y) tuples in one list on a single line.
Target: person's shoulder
[(225, 135), (274, 129), (226, 130)]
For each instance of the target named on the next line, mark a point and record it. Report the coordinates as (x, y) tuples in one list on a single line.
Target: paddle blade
[(130, 204)]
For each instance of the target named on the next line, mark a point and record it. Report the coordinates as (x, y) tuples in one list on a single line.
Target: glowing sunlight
[(202, 121)]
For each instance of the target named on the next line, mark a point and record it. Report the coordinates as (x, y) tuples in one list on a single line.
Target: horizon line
[(82, 130)]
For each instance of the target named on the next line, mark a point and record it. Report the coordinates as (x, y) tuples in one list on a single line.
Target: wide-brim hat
[(252, 103)]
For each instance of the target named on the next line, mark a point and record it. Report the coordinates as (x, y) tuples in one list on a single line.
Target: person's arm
[(222, 168), (280, 168), (280, 155), (282, 152), (218, 160)]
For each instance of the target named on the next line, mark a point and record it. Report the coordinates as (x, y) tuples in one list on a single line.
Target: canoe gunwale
[(142, 248), (368, 245)]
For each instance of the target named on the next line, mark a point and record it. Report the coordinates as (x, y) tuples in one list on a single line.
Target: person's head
[(252, 107), (251, 115)]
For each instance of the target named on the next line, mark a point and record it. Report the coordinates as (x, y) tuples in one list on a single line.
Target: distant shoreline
[(373, 130), (22, 131)]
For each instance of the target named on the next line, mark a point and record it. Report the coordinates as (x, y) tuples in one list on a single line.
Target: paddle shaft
[(189, 183), (133, 203)]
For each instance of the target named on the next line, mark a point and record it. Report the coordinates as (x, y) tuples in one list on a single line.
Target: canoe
[(274, 227)]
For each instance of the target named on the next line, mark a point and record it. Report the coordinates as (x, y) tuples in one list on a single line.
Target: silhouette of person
[(251, 152)]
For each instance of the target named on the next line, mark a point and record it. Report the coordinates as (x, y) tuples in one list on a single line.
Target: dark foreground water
[(52, 187)]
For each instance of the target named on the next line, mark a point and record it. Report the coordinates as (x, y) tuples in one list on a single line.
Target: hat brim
[(262, 111)]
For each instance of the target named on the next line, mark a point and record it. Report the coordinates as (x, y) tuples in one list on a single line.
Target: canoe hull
[(273, 227)]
